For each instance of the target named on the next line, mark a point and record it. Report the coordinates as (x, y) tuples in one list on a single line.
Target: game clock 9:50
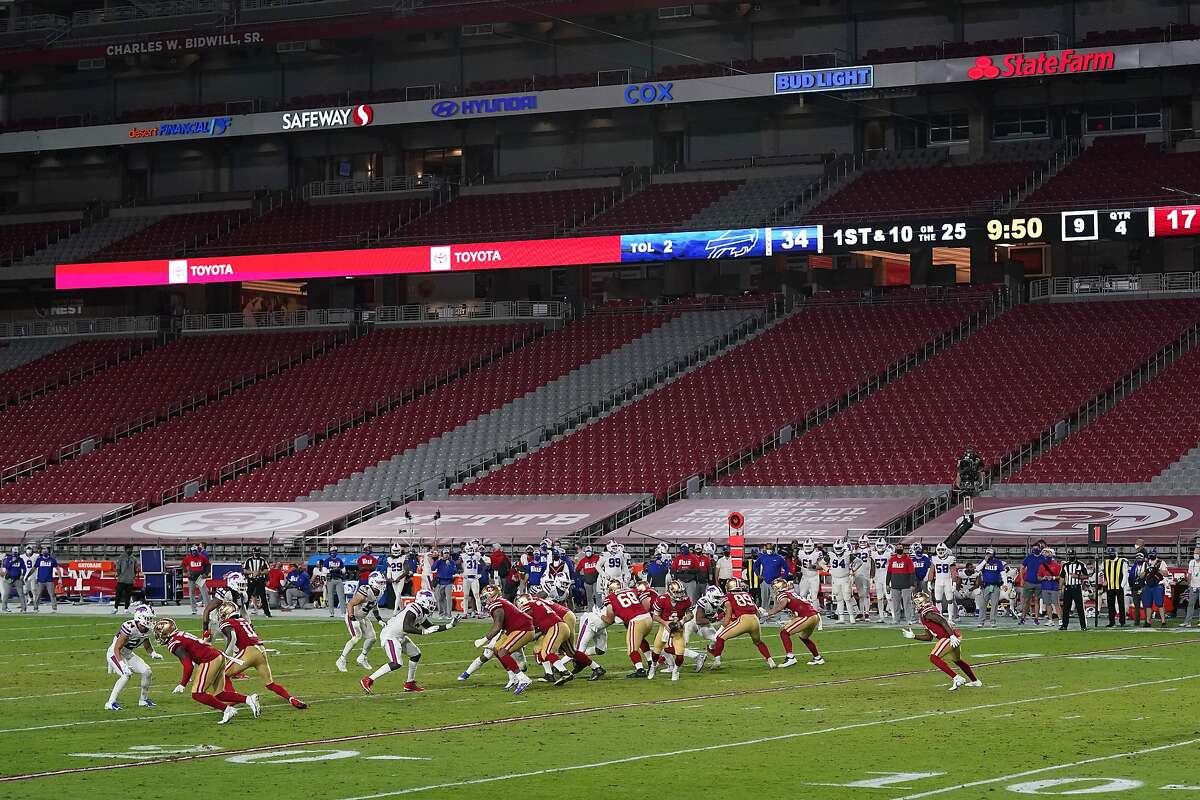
[(1015, 229)]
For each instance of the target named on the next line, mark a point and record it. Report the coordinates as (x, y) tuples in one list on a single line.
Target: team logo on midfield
[(232, 521)]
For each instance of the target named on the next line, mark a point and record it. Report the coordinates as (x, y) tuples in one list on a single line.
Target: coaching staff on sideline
[(1074, 573)]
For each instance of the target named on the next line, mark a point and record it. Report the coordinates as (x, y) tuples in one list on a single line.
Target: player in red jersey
[(671, 610), (625, 605), (556, 636), (515, 629), (246, 647), (205, 666), (741, 616), (568, 650), (949, 642), (806, 621)]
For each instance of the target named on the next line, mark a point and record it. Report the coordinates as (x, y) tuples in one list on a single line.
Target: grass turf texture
[(876, 707)]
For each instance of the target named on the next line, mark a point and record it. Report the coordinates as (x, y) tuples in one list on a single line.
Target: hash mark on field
[(1074, 716), (1001, 716), (1053, 686), (752, 708), (397, 758), (1170, 690)]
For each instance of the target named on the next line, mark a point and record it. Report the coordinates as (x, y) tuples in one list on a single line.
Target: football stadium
[(544, 399)]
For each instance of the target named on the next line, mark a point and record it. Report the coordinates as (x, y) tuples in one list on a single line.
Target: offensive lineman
[(245, 650), (412, 620), (806, 620), (511, 630), (812, 561), (627, 606), (945, 576), (123, 662), (949, 642), (362, 606)]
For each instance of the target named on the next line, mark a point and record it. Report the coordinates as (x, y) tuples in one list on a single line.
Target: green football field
[(1103, 713)]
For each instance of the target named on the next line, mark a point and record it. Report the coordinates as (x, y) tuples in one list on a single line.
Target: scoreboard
[(639, 248)]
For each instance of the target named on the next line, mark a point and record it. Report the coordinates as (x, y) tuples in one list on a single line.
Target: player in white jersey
[(879, 562), (593, 633), (860, 577), (614, 564), (123, 662), (705, 621), (396, 573), (811, 561), (471, 562), (945, 575), (396, 641), (235, 591), (363, 605), (839, 573)]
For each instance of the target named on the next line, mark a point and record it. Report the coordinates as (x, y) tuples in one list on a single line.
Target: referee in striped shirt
[(1074, 573)]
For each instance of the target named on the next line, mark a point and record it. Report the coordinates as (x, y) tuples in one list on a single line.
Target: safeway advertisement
[(342, 263)]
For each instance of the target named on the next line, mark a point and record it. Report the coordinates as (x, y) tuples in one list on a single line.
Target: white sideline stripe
[(1040, 770), (800, 734)]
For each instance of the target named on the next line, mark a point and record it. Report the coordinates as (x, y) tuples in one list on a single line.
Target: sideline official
[(1074, 573), (1115, 569), (255, 569)]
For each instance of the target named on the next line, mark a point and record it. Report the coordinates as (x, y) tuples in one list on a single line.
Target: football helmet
[(714, 593), (839, 546), (377, 581), (809, 546), (227, 611), (710, 548), (614, 586), (880, 545), (143, 616), (736, 585), (164, 629), (864, 542), (425, 601), (540, 589), (921, 600), (236, 581), (781, 584), (676, 591), (474, 545), (613, 548), (642, 587), (489, 593), (942, 550), (397, 551), (917, 547), (562, 585), (660, 549), (523, 600)]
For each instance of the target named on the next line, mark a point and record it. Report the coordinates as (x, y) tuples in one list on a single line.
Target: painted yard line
[(1040, 770), (472, 725), (766, 740), (106, 691)]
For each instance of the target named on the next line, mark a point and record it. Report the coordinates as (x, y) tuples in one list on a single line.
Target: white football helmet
[(917, 547), (942, 550), (236, 581), (714, 593), (864, 542), (377, 581), (660, 549), (839, 547), (562, 586), (425, 601), (880, 545), (396, 550), (143, 616), (809, 546), (613, 548), (710, 549)]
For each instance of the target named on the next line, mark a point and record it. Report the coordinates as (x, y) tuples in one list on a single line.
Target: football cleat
[(366, 683), (790, 661), (522, 685), (700, 659), (466, 676), (112, 707), (362, 661), (770, 663), (958, 681), (298, 703), (229, 713), (255, 706), (975, 684), (816, 662), (411, 686), (340, 664), (653, 670), (598, 673), (563, 678), (637, 673), (146, 703)]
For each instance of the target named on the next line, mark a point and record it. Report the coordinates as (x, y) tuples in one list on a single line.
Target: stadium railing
[(353, 186), (313, 318), (68, 326), (1081, 285)]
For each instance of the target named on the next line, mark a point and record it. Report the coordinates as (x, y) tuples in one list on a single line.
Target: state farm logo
[(232, 521), (1020, 65), (1072, 518), (983, 69), (347, 116)]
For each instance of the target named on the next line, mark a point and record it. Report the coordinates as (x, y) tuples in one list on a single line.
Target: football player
[(412, 620), (570, 652), (879, 560), (812, 561), (236, 591), (511, 630), (945, 576), (363, 605), (593, 633), (554, 635), (949, 642), (706, 615), (204, 665), (741, 617), (471, 566), (615, 564), (671, 610), (860, 567), (124, 662), (627, 606), (245, 650), (839, 573), (806, 620), (397, 574)]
